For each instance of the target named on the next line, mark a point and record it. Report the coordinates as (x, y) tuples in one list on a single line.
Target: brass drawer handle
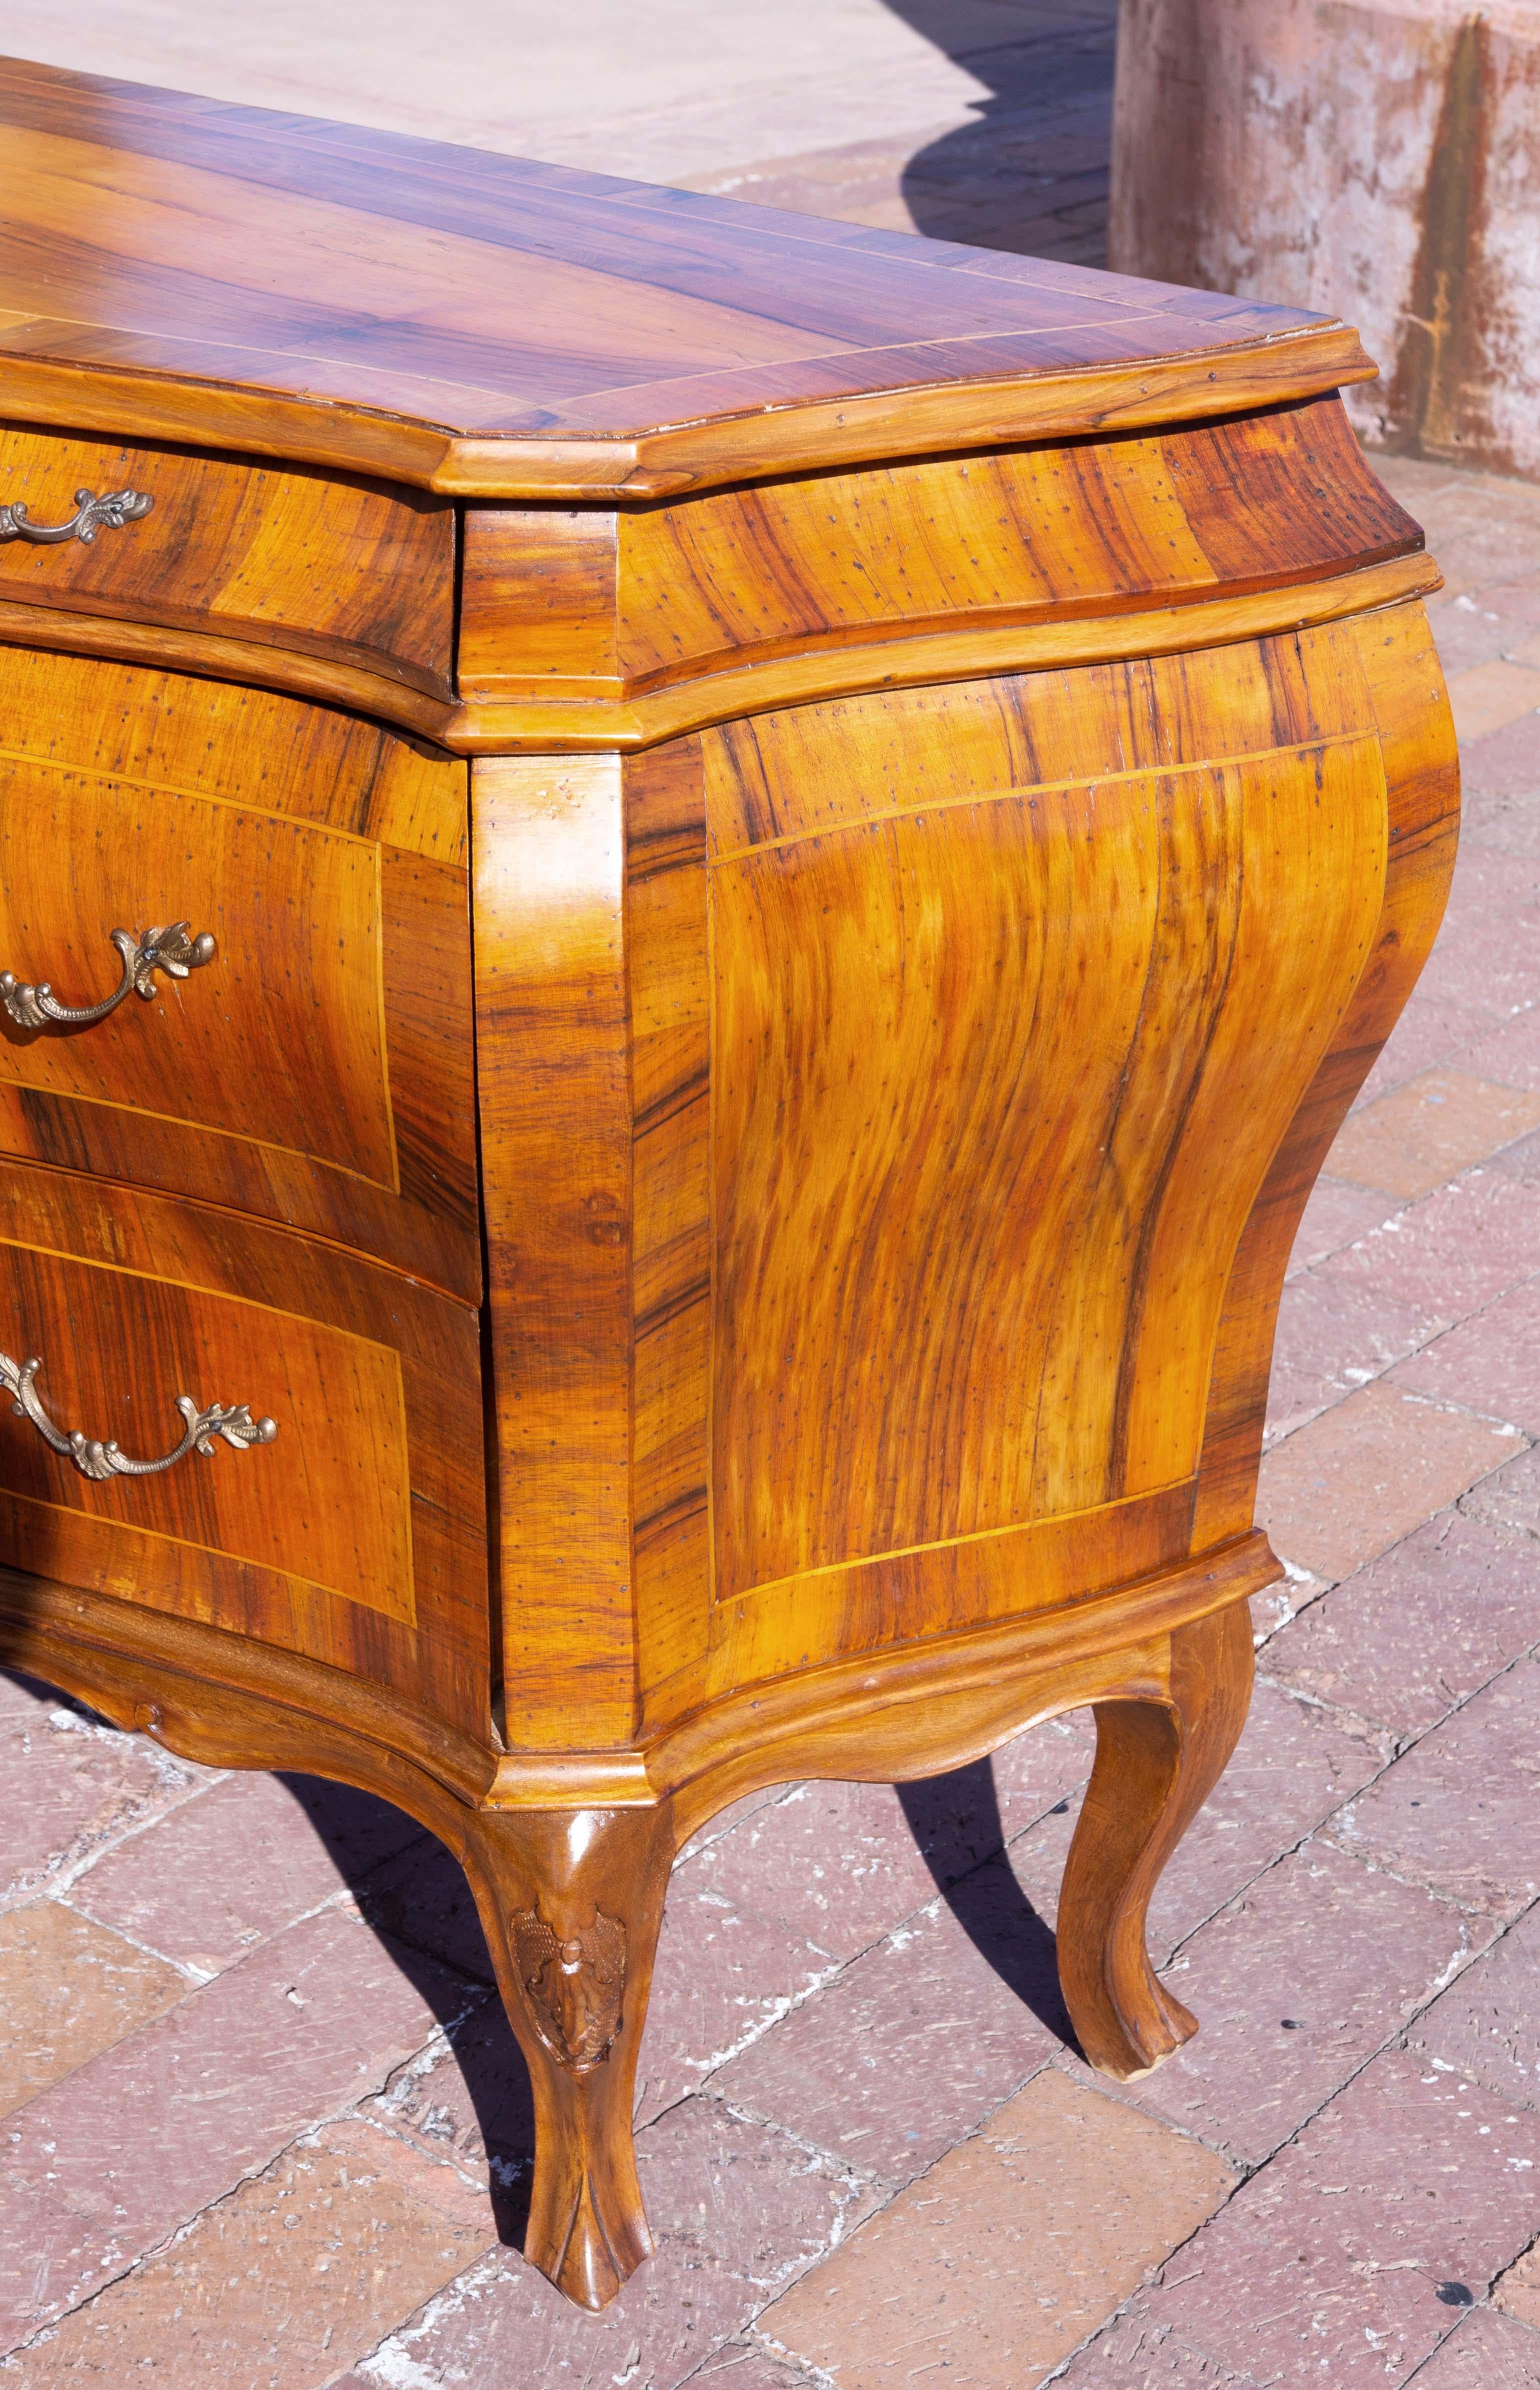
[(92, 515), (234, 1422), (168, 950)]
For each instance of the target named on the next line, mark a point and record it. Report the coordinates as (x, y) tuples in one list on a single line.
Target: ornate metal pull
[(92, 514), (234, 1422), (168, 950)]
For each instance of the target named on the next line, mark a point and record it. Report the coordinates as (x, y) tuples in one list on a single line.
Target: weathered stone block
[(1377, 161)]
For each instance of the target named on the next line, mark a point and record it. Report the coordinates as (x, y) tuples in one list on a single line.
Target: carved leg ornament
[(571, 1902), (1156, 1765)]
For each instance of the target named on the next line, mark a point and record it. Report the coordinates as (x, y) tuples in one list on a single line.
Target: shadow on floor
[(420, 1906), (1030, 173), (417, 1900), (419, 1903), (950, 1815)]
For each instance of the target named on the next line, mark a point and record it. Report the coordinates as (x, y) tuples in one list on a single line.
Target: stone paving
[(265, 2127)]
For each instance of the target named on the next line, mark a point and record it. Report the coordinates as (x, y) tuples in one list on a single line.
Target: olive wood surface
[(759, 1203)]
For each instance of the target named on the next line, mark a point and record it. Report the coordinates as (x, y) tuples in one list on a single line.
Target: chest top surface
[(487, 325)]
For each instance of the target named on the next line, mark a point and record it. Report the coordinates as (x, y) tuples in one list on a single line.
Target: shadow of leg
[(956, 1823), (420, 1907)]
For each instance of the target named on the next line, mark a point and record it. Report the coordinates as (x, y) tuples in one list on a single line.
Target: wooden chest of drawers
[(686, 899)]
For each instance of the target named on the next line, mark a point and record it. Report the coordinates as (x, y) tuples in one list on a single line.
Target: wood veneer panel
[(808, 1622), (1093, 526), (816, 767), (328, 563), (328, 1502), (279, 1039), (991, 1100), (212, 1287), (538, 590), (320, 1068), (478, 322), (560, 603), (670, 987), (281, 755), (553, 1057), (1397, 686), (804, 782)]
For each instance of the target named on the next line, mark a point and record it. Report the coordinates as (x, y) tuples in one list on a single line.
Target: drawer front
[(314, 1066), (337, 1511), (359, 572)]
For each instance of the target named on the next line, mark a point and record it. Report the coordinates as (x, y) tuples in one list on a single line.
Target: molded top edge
[(487, 325)]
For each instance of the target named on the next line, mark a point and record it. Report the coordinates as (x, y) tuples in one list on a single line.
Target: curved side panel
[(1404, 686)]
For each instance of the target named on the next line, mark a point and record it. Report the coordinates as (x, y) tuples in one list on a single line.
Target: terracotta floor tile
[(724, 1822), (1491, 1363), (1487, 2025), (1345, 1955), (213, 2088), (68, 1787), (837, 1865), (28, 1697), (1326, 2266), (1458, 1811), (1293, 1765), (1037, 1857), (919, 2040), (278, 2287), (1506, 763), (995, 2265), (1131, 2355), (1485, 2352), (1333, 1336), (469, 2105), (1520, 1161), (1352, 1483), (1337, 1214), (1427, 1130), (1509, 1053), (1468, 631), (1488, 697), (1510, 1497), (1487, 957), (1510, 825), (1419, 1629), (1518, 2293), (736, 2211), (1431, 1030), (237, 1863), (1043, 1767), (1278, 1603), (1450, 1253), (68, 1990), (421, 1897), (1481, 553), (725, 1974), (737, 2368)]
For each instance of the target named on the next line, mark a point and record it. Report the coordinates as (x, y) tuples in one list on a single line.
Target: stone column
[(1378, 159)]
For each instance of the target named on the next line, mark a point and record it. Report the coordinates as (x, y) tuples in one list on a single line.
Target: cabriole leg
[(1156, 1765), (571, 1902)]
